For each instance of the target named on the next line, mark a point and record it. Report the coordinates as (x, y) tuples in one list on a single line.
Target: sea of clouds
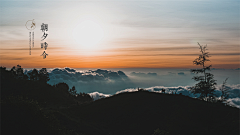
[(104, 81), (233, 100), (101, 83)]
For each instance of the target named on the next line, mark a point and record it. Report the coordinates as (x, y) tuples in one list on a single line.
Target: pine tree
[(206, 84)]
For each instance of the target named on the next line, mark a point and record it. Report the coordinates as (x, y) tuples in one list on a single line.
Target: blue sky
[(127, 25)]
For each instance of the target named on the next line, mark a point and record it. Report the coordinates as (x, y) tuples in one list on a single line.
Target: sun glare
[(88, 34)]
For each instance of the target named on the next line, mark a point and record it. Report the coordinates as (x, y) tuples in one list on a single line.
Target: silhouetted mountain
[(35, 107), (29, 105), (143, 112)]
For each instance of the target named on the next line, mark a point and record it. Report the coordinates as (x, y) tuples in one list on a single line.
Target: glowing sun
[(88, 34)]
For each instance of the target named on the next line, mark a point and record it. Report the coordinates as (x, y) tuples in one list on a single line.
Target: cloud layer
[(104, 83), (234, 93)]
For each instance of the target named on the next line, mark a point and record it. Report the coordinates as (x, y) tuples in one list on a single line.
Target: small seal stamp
[(30, 24)]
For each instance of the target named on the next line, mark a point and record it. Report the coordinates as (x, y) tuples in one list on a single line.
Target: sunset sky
[(121, 34)]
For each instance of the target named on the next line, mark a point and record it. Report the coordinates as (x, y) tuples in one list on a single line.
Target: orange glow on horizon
[(131, 57), (115, 62)]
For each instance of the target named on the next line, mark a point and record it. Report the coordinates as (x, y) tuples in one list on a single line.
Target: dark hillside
[(31, 106), (143, 112)]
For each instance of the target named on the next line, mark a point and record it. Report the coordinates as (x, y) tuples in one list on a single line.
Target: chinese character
[(29, 43), (44, 45), (44, 27), (32, 39), (44, 55), (44, 35)]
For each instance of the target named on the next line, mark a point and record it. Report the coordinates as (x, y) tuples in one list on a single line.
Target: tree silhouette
[(206, 84), (34, 76), (43, 75), (63, 87), (4, 74), (225, 91), (73, 91), (17, 72)]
